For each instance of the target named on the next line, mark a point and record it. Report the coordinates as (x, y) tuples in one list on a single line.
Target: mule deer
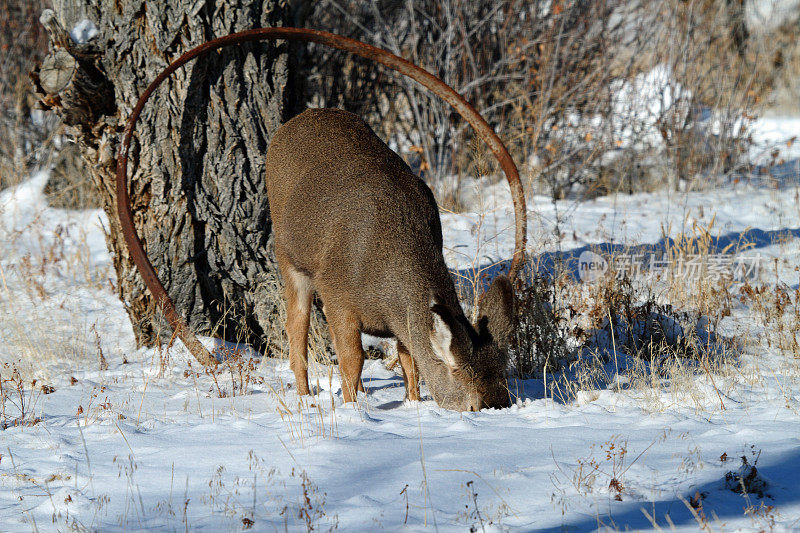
[(353, 223)]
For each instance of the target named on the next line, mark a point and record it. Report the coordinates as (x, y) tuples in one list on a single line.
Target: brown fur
[(354, 224)]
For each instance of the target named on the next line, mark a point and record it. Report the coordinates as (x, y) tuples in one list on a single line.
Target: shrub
[(23, 130), (593, 97)]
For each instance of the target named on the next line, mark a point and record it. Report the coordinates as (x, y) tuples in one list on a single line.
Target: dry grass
[(24, 142), (29, 138), (652, 335), (548, 83), (40, 293), (70, 185)]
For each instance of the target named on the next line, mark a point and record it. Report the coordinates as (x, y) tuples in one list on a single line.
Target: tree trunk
[(197, 163)]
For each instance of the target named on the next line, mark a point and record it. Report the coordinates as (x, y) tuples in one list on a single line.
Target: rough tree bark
[(197, 180)]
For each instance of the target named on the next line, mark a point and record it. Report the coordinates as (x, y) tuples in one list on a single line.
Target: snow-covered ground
[(147, 444)]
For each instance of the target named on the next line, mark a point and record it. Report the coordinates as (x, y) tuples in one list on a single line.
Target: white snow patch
[(641, 104), (150, 444), (83, 32)]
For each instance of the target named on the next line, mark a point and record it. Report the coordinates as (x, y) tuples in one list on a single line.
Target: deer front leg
[(298, 292), (410, 373)]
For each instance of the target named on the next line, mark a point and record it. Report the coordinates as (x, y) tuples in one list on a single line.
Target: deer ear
[(442, 336), (496, 311)]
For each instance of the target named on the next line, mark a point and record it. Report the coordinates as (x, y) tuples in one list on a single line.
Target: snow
[(148, 443), (83, 32), (765, 15), (776, 146), (639, 105)]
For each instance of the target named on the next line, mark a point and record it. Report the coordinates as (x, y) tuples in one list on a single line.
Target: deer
[(354, 225)]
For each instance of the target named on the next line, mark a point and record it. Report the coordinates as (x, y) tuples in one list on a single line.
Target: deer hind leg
[(410, 373), (347, 342), (298, 292), (360, 387)]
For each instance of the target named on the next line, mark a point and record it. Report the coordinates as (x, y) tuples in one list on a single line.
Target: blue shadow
[(780, 175), (719, 503), (545, 264)]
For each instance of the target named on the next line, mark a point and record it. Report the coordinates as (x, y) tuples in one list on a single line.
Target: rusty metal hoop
[(406, 68)]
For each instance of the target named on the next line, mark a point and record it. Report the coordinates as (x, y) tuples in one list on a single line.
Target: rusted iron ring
[(358, 48)]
